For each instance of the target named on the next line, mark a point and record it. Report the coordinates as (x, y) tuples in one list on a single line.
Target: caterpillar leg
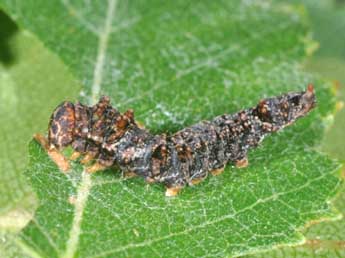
[(129, 174), (87, 158), (59, 159), (150, 180), (172, 191), (196, 181), (217, 171), (242, 163), (75, 155), (140, 125), (95, 167)]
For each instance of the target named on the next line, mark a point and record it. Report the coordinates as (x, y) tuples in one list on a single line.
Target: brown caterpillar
[(104, 135)]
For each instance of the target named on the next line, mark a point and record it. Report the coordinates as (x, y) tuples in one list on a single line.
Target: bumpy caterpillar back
[(106, 138)]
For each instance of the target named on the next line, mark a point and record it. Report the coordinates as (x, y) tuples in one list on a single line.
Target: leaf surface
[(326, 239), (175, 64), (30, 86)]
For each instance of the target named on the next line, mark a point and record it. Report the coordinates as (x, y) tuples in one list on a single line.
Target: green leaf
[(25, 104), (175, 64), (30, 86), (8, 249), (236, 213), (323, 240), (326, 239)]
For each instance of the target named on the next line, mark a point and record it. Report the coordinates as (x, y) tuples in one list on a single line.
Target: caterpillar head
[(61, 126), (284, 110)]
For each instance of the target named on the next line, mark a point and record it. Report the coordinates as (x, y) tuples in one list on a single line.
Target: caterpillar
[(103, 137)]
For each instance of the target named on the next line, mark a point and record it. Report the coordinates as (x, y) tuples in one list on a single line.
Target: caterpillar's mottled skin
[(103, 134)]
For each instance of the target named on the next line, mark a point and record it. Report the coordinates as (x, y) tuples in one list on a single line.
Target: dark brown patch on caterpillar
[(102, 134)]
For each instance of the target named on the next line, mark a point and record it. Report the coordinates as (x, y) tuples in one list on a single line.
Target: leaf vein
[(75, 13), (102, 49), (202, 225), (82, 196)]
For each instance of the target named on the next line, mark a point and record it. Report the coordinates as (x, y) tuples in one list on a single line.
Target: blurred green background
[(327, 19), (328, 25), (23, 54)]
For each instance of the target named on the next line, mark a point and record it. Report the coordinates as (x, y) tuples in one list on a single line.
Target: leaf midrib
[(102, 49), (85, 184)]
